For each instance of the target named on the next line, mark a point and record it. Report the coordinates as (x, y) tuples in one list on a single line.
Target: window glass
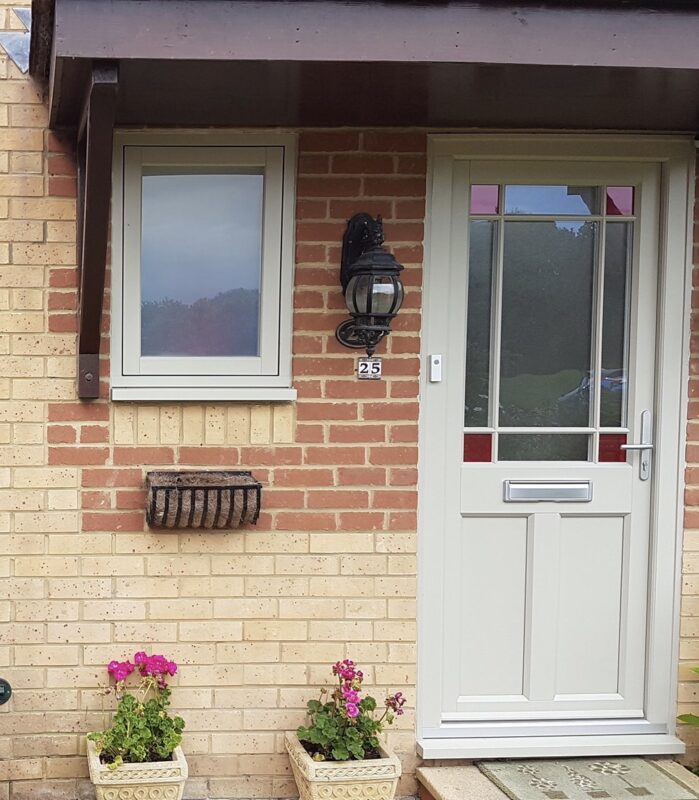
[(579, 200), (614, 378), (620, 200), (478, 447), (485, 199), (201, 256), (543, 447), (482, 246), (610, 447), (546, 342)]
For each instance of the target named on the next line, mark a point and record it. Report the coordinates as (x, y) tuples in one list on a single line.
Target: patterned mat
[(584, 779)]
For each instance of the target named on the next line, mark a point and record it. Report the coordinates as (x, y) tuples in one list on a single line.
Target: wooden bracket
[(95, 141)]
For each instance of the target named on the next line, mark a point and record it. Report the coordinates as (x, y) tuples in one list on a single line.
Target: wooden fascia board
[(443, 32), (95, 147)]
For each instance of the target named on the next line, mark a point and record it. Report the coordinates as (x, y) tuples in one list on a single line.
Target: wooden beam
[(94, 145), (41, 38)]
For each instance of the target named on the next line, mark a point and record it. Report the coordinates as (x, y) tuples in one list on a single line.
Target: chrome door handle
[(644, 445)]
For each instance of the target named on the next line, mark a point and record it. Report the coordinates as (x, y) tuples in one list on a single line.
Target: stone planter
[(155, 780), (371, 779)]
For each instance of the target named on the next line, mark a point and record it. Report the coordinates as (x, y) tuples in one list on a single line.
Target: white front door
[(547, 408)]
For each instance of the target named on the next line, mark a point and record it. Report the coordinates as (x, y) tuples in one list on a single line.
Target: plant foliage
[(344, 727), (141, 729)]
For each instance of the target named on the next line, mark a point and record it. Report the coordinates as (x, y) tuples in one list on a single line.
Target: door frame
[(675, 155)]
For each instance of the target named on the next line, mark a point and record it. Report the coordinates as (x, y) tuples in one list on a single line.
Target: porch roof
[(446, 63)]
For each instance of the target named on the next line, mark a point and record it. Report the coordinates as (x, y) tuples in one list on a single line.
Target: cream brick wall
[(254, 617)]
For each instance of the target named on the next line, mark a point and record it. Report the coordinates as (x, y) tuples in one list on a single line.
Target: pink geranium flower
[(348, 723)]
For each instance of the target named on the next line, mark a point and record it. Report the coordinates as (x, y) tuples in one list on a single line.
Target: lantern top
[(362, 249), (376, 260)]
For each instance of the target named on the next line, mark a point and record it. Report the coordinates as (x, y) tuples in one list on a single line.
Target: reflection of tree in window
[(546, 322), (201, 253), (224, 325)]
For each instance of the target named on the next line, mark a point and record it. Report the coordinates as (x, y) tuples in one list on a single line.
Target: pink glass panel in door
[(478, 447), (610, 447), (485, 199), (620, 201)]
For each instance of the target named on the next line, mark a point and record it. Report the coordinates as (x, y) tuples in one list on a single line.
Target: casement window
[(202, 260)]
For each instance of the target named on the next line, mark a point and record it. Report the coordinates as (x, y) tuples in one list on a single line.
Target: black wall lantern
[(370, 282)]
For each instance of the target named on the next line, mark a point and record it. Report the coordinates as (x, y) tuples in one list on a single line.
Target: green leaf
[(689, 719), (368, 704), (356, 749), (340, 752)]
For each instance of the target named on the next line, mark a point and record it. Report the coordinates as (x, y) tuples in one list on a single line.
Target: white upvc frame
[(675, 156), (265, 377)]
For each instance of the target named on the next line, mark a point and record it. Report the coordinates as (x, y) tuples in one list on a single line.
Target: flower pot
[(153, 780), (370, 779)]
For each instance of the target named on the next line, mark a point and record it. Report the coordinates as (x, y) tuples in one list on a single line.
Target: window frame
[(264, 377)]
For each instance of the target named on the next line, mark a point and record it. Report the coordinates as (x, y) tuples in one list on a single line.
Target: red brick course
[(349, 433)]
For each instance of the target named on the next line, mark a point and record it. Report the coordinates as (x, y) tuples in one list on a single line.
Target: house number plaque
[(369, 369)]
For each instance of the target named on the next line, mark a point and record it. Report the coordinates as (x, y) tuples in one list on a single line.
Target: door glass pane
[(201, 257), (478, 447), (620, 201), (543, 447), (482, 250), (485, 199), (615, 324), (547, 304), (578, 200), (610, 447)]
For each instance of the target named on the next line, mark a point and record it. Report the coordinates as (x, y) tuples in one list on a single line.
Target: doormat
[(584, 779)]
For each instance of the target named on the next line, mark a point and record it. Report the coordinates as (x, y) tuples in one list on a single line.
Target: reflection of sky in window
[(201, 235), (574, 225), (551, 200)]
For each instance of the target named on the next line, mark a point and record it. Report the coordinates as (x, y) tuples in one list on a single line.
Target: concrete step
[(456, 783)]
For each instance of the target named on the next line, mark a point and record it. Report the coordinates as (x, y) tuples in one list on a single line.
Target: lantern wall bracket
[(363, 232)]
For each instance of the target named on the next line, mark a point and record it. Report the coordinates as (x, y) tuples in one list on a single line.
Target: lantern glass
[(369, 295), (384, 295), (357, 293)]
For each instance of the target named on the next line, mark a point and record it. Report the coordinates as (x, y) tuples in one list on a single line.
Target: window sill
[(202, 394)]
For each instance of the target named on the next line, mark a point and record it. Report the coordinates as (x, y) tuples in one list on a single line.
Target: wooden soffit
[(587, 65)]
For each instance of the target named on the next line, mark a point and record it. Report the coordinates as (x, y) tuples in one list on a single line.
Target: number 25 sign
[(369, 369)]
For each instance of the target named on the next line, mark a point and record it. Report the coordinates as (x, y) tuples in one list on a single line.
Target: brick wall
[(256, 616), (688, 690)]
